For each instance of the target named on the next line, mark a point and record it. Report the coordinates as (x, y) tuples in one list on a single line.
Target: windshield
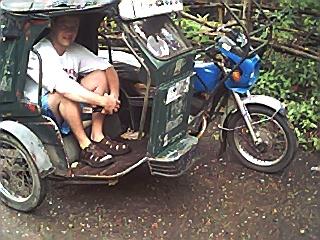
[(160, 36)]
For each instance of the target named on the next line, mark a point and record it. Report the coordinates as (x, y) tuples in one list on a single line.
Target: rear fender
[(32, 144)]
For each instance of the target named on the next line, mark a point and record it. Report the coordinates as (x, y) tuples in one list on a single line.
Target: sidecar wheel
[(278, 140), (21, 187)]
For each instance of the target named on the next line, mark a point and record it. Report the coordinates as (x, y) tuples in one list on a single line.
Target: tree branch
[(291, 50)]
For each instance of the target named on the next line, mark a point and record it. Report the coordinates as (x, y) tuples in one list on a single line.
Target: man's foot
[(95, 157), (113, 147)]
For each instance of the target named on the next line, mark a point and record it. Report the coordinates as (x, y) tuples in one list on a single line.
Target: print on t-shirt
[(71, 73)]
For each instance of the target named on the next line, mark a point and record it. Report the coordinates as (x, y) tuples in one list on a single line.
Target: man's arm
[(55, 78), (75, 92)]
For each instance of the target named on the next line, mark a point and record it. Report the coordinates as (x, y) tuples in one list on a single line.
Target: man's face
[(64, 30)]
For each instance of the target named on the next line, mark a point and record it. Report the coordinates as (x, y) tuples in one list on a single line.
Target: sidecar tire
[(287, 155), (39, 185)]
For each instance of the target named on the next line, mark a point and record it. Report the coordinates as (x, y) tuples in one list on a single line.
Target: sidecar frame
[(27, 123)]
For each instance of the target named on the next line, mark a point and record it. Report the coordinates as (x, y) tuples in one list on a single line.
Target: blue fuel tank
[(206, 77)]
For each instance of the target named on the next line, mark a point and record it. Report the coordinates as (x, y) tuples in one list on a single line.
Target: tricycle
[(159, 116)]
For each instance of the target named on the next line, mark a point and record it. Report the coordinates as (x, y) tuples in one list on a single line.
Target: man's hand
[(111, 104), (115, 95)]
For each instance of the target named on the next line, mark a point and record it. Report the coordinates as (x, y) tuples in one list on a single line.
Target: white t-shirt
[(58, 70)]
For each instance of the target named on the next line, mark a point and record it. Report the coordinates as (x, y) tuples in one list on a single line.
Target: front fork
[(247, 118)]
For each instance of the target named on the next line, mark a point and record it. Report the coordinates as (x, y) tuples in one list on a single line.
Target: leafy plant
[(196, 31), (295, 82)]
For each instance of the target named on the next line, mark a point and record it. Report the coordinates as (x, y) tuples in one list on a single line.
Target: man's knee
[(68, 102), (94, 80), (54, 99), (97, 75), (100, 78)]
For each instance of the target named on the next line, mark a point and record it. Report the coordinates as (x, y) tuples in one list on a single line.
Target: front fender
[(263, 100), (267, 101), (32, 144)]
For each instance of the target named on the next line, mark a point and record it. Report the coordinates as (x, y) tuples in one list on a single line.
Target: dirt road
[(217, 199)]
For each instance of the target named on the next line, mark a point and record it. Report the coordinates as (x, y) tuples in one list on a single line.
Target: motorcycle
[(255, 128)]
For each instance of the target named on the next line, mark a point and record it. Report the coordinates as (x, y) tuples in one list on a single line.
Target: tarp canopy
[(51, 5)]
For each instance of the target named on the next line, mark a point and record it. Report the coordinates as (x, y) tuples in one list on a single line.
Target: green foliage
[(294, 19), (301, 4), (195, 31), (295, 82)]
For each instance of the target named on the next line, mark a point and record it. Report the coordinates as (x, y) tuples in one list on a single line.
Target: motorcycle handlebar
[(247, 48), (245, 31)]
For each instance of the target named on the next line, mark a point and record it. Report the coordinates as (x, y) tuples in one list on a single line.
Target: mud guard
[(266, 101), (262, 100), (176, 159), (32, 144)]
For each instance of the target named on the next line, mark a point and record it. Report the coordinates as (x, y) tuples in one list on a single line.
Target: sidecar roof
[(46, 6)]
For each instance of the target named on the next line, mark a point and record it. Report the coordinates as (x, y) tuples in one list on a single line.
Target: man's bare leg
[(96, 82), (68, 110)]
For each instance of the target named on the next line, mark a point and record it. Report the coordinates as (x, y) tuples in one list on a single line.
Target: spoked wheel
[(278, 144), (21, 187)]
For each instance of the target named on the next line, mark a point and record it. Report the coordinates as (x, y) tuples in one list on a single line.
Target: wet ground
[(217, 199)]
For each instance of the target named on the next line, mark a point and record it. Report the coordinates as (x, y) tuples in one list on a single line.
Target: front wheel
[(21, 187), (278, 145)]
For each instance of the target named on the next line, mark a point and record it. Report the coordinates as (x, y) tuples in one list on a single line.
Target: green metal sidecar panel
[(17, 35), (170, 75), (9, 51), (175, 159)]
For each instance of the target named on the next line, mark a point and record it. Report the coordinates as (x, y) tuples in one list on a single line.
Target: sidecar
[(155, 101)]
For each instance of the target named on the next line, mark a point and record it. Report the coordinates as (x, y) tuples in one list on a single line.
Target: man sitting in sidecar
[(63, 62)]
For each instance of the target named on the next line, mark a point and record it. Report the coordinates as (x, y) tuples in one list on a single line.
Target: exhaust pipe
[(204, 125)]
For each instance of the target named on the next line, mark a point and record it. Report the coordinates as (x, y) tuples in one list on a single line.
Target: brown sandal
[(95, 157), (113, 147)]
